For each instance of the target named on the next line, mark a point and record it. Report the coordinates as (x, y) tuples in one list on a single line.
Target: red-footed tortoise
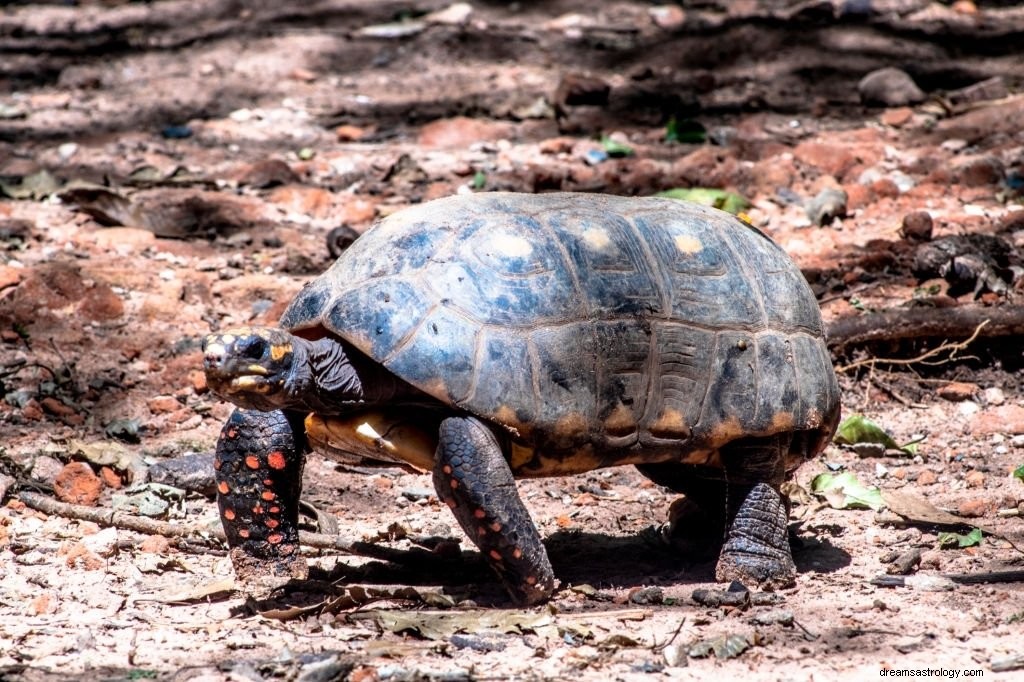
[(497, 335)]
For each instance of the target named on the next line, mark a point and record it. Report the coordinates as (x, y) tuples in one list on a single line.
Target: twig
[(141, 524), (917, 323), (959, 578), (922, 359)]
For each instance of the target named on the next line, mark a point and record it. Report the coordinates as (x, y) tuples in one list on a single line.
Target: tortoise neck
[(333, 377)]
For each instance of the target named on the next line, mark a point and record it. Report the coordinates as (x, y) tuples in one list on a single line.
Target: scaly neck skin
[(330, 377)]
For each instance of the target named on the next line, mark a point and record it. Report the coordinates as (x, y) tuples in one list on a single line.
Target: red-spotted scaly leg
[(473, 478), (258, 466)]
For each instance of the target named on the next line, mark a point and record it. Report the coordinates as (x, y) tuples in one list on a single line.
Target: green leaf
[(948, 540), (479, 180), (857, 429), (615, 148), (686, 131), (1019, 472), (845, 491), (730, 202)]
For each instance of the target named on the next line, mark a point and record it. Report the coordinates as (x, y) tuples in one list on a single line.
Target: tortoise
[(497, 336)]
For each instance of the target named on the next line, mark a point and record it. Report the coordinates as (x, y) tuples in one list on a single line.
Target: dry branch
[(141, 524), (922, 323)]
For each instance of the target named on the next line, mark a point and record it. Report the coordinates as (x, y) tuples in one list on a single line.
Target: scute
[(586, 320)]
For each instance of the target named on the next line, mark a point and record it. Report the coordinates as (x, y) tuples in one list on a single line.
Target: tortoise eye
[(253, 347)]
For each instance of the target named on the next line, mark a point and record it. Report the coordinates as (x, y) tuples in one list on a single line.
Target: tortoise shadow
[(577, 557)]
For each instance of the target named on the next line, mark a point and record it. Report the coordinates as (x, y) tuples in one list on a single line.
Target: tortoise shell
[(596, 330)]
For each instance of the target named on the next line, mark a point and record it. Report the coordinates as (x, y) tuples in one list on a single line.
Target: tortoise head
[(251, 366)]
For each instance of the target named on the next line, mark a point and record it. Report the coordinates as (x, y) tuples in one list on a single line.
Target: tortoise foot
[(473, 478), (250, 570), (756, 550)]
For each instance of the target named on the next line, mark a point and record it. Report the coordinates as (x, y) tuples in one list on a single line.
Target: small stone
[(155, 544), (668, 17), (973, 508), (577, 89), (5, 484), (45, 470), (975, 479), (1017, 441), (267, 173), (829, 204), (162, 404), (958, 391), (1007, 419), (926, 477), (774, 617), (905, 563), (979, 171), (350, 133), (417, 494), (889, 87), (103, 543), (556, 145), (455, 14), (124, 239), (56, 407), (647, 595), (994, 396), (461, 132), (917, 226), (896, 117), (110, 478), (77, 484), (9, 276), (675, 655), (197, 378)]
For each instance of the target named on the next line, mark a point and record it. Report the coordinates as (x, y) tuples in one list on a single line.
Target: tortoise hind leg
[(258, 468), (472, 477), (756, 548)]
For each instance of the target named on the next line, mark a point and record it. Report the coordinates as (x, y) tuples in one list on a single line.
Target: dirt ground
[(176, 167)]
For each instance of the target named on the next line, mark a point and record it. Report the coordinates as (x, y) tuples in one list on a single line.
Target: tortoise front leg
[(258, 467), (472, 477), (756, 549)]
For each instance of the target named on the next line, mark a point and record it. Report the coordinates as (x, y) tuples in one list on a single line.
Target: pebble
[(103, 543), (675, 655), (973, 508), (889, 87), (163, 404), (647, 595), (775, 616), (1008, 419), (5, 484), (77, 484), (1017, 441), (896, 117), (927, 477), (417, 494), (917, 226), (958, 391), (45, 470), (994, 396), (668, 17), (829, 204), (975, 479)]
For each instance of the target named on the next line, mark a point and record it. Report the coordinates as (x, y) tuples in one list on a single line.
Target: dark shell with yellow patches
[(597, 330)]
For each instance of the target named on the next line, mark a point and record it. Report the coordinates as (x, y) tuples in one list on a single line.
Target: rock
[(896, 117), (267, 173), (155, 544), (577, 89), (101, 304), (647, 595), (77, 484), (103, 543), (45, 470), (926, 477), (5, 484), (979, 171), (675, 655), (1006, 419), (834, 159), (889, 87), (828, 204), (9, 276), (455, 14), (994, 396), (351, 133), (905, 563), (123, 239), (1017, 441), (917, 226), (668, 17), (55, 407), (110, 478), (461, 132), (929, 583), (958, 391), (973, 508), (162, 404), (975, 479)]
